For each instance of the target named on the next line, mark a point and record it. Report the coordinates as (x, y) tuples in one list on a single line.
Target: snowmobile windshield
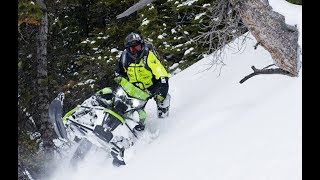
[(133, 91), (121, 95)]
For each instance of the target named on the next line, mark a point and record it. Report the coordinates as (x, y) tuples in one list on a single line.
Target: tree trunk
[(46, 128), (271, 32)]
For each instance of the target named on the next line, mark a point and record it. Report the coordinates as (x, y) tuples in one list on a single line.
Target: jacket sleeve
[(161, 84), (156, 67), (119, 71), (161, 87)]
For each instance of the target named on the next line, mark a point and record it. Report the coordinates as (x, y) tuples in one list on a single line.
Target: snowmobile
[(106, 120)]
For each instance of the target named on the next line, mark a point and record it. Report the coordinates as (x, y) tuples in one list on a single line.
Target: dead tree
[(273, 34), (229, 17), (225, 26), (42, 117)]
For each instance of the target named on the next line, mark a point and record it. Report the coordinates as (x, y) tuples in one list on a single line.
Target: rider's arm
[(161, 87), (161, 84), (120, 71), (156, 67)]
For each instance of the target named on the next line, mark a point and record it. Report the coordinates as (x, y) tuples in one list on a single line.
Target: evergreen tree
[(85, 40), (171, 27)]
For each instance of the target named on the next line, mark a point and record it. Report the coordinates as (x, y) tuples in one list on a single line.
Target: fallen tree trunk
[(272, 33)]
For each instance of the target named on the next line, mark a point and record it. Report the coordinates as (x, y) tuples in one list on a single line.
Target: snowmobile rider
[(140, 64)]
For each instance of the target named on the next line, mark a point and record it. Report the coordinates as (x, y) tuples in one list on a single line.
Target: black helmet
[(133, 39), (135, 44)]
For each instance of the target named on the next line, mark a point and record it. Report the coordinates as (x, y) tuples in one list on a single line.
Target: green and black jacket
[(145, 72)]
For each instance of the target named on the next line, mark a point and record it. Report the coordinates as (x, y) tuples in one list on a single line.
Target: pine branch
[(265, 71)]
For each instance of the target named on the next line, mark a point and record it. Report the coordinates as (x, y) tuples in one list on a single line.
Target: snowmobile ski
[(55, 114)]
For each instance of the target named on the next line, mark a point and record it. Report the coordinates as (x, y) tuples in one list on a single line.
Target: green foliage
[(28, 12), (171, 26), (298, 2), (85, 40), (29, 146), (27, 152)]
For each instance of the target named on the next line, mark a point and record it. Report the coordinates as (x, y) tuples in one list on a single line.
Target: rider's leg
[(163, 107), (117, 154), (142, 116), (142, 120)]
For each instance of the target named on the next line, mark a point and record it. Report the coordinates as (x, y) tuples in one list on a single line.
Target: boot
[(117, 157), (163, 107)]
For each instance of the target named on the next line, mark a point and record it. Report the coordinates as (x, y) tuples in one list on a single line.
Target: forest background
[(84, 42)]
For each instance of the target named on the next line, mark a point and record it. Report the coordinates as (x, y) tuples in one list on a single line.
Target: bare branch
[(134, 8), (265, 71), (21, 35), (225, 26)]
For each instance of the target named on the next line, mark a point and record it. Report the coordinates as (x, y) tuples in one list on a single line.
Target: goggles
[(135, 48)]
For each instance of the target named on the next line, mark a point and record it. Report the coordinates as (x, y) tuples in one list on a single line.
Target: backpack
[(145, 53)]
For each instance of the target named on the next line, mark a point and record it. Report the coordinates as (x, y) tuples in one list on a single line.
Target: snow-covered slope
[(217, 128)]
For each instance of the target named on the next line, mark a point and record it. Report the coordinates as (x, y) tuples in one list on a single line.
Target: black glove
[(118, 79), (159, 98), (160, 89), (139, 127)]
